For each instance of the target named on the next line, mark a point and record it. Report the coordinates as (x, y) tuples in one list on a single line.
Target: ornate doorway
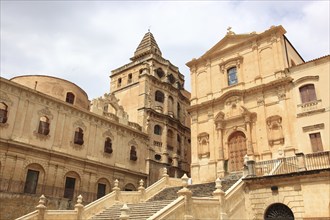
[(236, 151), (278, 211)]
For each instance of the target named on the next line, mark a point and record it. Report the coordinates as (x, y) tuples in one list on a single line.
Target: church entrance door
[(237, 150)]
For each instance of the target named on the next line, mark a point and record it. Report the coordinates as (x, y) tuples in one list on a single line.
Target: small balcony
[(308, 108)]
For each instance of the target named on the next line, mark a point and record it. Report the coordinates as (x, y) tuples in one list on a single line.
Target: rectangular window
[(232, 76), (69, 187), (316, 142), (31, 182), (101, 190)]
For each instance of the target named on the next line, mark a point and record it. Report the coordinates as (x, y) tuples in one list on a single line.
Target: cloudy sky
[(82, 41)]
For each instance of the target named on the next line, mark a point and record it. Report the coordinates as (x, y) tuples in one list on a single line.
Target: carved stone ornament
[(80, 124), (107, 133), (274, 130), (281, 93), (260, 100), (45, 112)]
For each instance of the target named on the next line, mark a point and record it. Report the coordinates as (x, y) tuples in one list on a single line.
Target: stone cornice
[(61, 106), (237, 92), (51, 154)]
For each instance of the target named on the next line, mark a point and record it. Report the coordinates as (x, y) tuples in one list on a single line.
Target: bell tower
[(151, 90)]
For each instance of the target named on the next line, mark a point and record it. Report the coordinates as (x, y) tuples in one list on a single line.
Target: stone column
[(301, 161), (247, 120), (164, 145), (220, 159), (165, 104)]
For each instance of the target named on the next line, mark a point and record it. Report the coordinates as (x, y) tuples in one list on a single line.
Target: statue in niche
[(274, 130)]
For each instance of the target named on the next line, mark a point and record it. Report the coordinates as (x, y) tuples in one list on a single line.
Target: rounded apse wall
[(55, 87)]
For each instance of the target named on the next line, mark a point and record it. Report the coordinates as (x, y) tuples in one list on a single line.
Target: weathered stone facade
[(54, 156), (253, 104)]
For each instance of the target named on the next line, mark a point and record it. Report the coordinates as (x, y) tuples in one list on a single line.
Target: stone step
[(137, 211)]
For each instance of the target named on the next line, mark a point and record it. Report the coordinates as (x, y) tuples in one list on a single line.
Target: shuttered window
[(316, 142), (307, 93)]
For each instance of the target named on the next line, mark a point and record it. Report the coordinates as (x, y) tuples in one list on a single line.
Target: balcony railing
[(298, 163)]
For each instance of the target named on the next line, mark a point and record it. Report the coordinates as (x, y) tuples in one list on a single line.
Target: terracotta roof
[(147, 45)]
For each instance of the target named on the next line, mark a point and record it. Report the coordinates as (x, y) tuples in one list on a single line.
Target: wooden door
[(237, 150)]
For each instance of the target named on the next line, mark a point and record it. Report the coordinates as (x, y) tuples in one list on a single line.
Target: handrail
[(28, 216), (99, 205)]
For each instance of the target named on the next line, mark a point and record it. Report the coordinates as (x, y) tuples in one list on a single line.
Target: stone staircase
[(137, 211), (198, 190), (144, 210)]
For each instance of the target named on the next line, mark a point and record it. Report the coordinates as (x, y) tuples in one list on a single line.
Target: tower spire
[(148, 45)]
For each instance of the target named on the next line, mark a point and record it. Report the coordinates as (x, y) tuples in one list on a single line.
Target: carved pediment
[(228, 41)]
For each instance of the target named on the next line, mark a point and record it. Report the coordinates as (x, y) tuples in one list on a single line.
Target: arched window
[(129, 79), (72, 182), (31, 181), (171, 78), (69, 97), (108, 146), (43, 125), (159, 96), (3, 112), (160, 73), (170, 133), (232, 76), (158, 130), (34, 176), (133, 154), (178, 110), (129, 187), (103, 187), (278, 211), (307, 93), (79, 136), (119, 83), (170, 105)]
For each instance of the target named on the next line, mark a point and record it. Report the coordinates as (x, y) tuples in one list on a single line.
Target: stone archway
[(236, 151), (278, 211)]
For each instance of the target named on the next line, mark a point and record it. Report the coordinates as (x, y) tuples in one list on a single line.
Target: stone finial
[(41, 203), (218, 184), (116, 183), (165, 172), (184, 179), (141, 183), (124, 212), (41, 208), (80, 199)]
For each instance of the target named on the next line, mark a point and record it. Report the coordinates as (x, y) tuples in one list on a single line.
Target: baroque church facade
[(259, 135), (54, 141)]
